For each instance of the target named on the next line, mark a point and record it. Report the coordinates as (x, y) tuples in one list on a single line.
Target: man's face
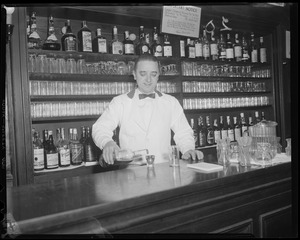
[(146, 75)]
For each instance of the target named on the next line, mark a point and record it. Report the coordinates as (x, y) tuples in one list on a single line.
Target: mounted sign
[(181, 20)]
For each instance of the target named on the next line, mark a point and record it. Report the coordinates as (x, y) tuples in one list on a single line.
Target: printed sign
[(181, 20)]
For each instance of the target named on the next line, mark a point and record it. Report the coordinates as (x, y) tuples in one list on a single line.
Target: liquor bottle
[(147, 40), (45, 142), (69, 40), (250, 127), (205, 46), (189, 49), (38, 152), (64, 158), (210, 132), (222, 48), (253, 49), (34, 40), (223, 128), (217, 132), (76, 149), (193, 126), (182, 48), (245, 49), (198, 48), (263, 116), (230, 129), (262, 51), (99, 43), (244, 125), (229, 49), (237, 129), (116, 45), (84, 38), (167, 47), (214, 51), (82, 140), (90, 148), (51, 154), (156, 47), (128, 44), (51, 43), (237, 49), (142, 47), (257, 119), (201, 132)]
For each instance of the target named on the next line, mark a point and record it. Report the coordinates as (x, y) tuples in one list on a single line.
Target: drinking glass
[(174, 156)]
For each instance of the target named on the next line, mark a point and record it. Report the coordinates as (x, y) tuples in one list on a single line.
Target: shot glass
[(150, 160), (174, 156)]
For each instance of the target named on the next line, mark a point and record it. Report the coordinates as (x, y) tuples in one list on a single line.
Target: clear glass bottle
[(217, 132), (214, 51), (99, 43), (237, 49), (128, 44), (34, 40), (182, 48), (156, 47), (201, 132), (205, 46), (116, 45), (76, 149), (84, 38), (38, 152), (167, 47), (63, 148), (51, 43), (253, 49), (69, 40), (262, 51), (51, 153)]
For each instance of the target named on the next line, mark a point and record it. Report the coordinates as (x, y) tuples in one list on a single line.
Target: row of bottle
[(206, 134), (63, 152), (206, 48)]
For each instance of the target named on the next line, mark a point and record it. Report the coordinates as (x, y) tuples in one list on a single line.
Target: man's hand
[(194, 154), (108, 151)]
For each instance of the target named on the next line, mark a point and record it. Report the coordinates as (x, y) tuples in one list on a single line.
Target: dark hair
[(145, 57)]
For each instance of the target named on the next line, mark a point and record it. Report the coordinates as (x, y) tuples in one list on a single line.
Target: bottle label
[(223, 53), (229, 53), (90, 155), (210, 137), (237, 51), (86, 41), (117, 48), (214, 49), (254, 56), (145, 49), (168, 51), (129, 48), (206, 50), (158, 51), (182, 52), (217, 135), (198, 50), (231, 134), (102, 45), (38, 159), (245, 55), (64, 155), (237, 133), (192, 52), (263, 55), (70, 44), (52, 160), (76, 154)]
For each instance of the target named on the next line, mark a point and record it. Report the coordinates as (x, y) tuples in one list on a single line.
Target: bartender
[(145, 117)]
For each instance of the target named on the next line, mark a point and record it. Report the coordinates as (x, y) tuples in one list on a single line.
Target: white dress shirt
[(145, 124)]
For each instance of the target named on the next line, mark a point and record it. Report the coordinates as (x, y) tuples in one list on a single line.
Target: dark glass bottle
[(69, 40), (38, 152), (201, 132), (51, 43), (199, 48), (128, 44), (193, 126), (189, 49), (84, 38), (210, 132), (76, 149), (147, 39), (245, 50), (217, 132), (253, 49), (229, 48), (222, 48), (237, 129), (214, 51), (230, 130), (237, 49), (167, 47), (257, 119), (51, 154), (223, 128), (142, 46), (244, 125), (205, 46), (90, 148), (156, 47), (100, 43)]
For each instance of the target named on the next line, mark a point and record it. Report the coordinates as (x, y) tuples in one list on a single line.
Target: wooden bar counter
[(138, 199)]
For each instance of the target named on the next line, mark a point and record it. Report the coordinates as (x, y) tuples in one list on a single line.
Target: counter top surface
[(102, 189)]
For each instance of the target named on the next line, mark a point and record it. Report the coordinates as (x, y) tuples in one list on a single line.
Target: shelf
[(223, 94), (66, 118), (208, 110), (221, 79)]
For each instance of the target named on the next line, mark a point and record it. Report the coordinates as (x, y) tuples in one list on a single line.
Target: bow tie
[(143, 95)]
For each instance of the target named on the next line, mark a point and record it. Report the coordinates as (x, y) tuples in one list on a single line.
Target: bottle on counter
[(205, 46), (156, 47), (237, 49), (142, 46), (201, 132), (34, 40), (76, 149), (167, 47), (217, 132), (210, 132), (214, 51), (84, 38), (99, 42), (230, 130), (229, 49), (262, 51), (51, 43), (128, 44), (64, 157), (51, 153), (116, 45), (253, 49), (90, 148), (194, 128), (69, 40), (38, 152)]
